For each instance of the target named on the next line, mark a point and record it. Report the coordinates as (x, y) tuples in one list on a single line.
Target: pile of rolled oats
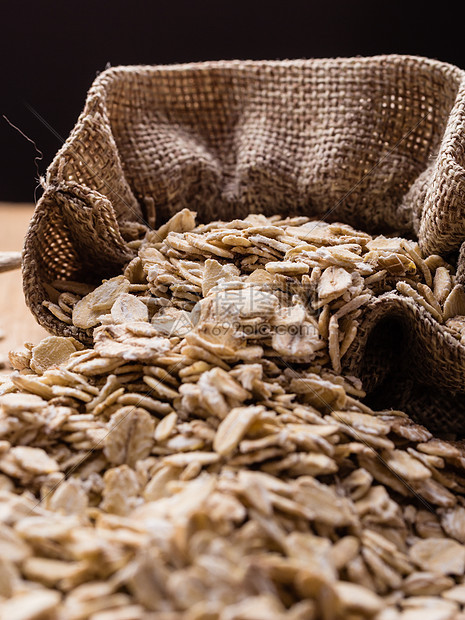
[(207, 460)]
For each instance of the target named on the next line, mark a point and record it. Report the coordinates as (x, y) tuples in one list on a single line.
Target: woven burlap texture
[(375, 142)]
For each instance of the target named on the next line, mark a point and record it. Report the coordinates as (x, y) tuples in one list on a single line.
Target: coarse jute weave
[(375, 142)]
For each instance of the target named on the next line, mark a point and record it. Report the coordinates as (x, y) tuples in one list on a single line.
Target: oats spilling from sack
[(207, 459)]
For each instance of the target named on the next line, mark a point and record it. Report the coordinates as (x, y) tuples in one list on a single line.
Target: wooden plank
[(16, 320)]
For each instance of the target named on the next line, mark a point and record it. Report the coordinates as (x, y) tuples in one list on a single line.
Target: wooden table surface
[(16, 320)]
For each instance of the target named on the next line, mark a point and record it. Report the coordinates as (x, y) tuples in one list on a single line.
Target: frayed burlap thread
[(375, 142)]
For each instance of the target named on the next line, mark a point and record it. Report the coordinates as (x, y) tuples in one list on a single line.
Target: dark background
[(51, 51)]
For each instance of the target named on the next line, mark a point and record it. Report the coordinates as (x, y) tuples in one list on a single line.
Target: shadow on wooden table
[(16, 321)]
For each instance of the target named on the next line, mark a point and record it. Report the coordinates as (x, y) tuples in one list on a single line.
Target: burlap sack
[(375, 142)]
